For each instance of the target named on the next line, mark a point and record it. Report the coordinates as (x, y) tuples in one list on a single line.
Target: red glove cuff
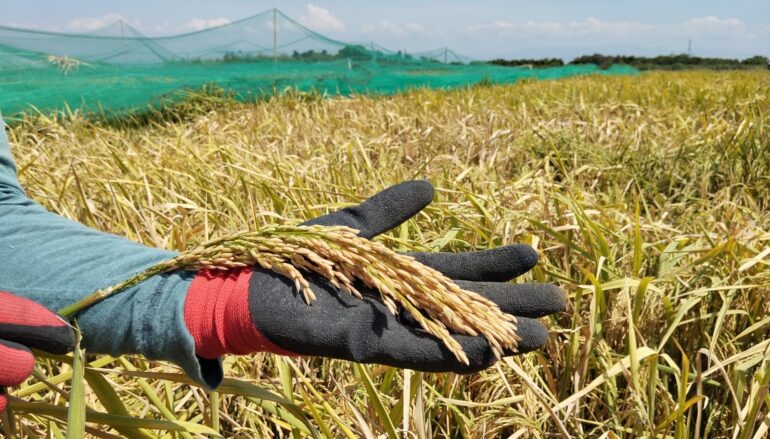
[(217, 315)]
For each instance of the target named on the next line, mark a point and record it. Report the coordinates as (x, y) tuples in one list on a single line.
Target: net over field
[(118, 68)]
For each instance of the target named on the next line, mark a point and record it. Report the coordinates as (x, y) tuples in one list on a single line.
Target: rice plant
[(646, 197)]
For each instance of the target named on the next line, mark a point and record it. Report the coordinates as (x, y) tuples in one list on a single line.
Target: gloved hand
[(258, 310), (23, 325)]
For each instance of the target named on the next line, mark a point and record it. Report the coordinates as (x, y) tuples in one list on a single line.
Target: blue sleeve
[(9, 184), (55, 261)]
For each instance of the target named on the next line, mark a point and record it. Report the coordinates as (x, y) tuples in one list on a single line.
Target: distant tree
[(539, 63), (357, 52), (671, 62), (756, 60)]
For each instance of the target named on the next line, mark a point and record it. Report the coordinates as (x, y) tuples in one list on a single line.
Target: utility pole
[(689, 47), (275, 36)]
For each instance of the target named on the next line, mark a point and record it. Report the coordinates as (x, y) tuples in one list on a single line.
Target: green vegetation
[(674, 62), (662, 62), (646, 197), (528, 62)]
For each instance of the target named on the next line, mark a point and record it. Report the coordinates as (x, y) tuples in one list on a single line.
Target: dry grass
[(647, 198)]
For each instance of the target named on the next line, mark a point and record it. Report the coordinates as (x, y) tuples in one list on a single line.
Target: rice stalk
[(342, 257), (690, 147)]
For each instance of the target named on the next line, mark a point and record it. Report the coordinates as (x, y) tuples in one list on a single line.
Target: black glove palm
[(338, 325)]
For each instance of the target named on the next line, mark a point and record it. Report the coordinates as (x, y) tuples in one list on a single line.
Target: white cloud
[(320, 19), (87, 24), (543, 28), (529, 28), (494, 26), (203, 23), (589, 26), (715, 26), (386, 27), (414, 27), (615, 28), (161, 28), (710, 35), (392, 28)]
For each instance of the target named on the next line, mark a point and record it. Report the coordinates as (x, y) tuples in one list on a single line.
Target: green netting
[(117, 68)]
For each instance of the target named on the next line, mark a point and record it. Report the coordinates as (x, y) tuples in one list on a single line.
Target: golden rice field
[(647, 197)]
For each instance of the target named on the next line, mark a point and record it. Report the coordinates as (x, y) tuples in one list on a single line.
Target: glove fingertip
[(383, 211), (551, 299), (404, 200), (65, 341), (526, 257), (533, 335), (422, 190)]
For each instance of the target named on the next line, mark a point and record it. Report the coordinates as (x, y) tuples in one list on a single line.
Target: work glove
[(23, 325), (240, 312)]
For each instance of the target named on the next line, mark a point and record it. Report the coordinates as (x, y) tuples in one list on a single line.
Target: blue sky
[(480, 29)]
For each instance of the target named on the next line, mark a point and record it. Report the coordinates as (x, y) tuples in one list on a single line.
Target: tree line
[(661, 62)]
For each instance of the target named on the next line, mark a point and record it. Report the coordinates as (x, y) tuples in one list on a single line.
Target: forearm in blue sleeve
[(55, 261), (9, 183)]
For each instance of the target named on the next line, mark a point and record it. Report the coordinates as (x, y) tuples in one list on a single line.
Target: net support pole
[(275, 35), (446, 49), (123, 39), (374, 52)]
